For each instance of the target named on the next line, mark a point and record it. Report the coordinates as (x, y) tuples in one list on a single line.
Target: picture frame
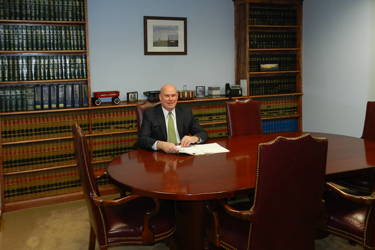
[(269, 67), (132, 96), (165, 35), (200, 91)]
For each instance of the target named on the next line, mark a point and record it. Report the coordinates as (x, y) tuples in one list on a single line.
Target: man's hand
[(187, 140), (167, 147)]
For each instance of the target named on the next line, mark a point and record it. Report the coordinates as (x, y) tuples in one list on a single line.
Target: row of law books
[(280, 125), (43, 10), (38, 155), (215, 131), (39, 68), (284, 17), (43, 96), (203, 112), (286, 62), (113, 120), (25, 38), (272, 85), (46, 183), (108, 147), (278, 106), (42, 125), (272, 40)]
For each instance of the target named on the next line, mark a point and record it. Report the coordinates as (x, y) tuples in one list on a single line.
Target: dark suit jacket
[(154, 129)]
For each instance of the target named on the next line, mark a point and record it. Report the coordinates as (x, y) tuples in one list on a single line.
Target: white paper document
[(202, 149)]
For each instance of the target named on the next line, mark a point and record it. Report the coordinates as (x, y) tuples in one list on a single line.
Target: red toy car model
[(114, 94)]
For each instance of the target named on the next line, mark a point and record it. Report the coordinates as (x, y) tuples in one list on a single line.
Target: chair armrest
[(100, 202), (98, 174), (366, 200), (239, 214)]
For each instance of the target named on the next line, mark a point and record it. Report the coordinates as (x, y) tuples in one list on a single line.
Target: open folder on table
[(202, 149)]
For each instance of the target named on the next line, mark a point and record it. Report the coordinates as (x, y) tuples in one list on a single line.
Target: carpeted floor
[(66, 227)]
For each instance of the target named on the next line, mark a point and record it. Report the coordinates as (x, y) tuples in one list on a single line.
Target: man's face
[(168, 97)]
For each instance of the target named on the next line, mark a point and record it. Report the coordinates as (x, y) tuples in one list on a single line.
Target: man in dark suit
[(153, 133)]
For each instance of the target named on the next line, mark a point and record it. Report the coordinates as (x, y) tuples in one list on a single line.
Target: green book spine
[(20, 37), (39, 37), (10, 68), (28, 9), (1, 68), (84, 67), (37, 68), (5, 68), (33, 68), (59, 68), (23, 98), (67, 67), (70, 10), (48, 39), (79, 66), (62, 65), (6, 37), (1, 9), (65, 10), (43, 37), (12, 98), (16, 71), (11, 10), (83, 37), (55, 38), (79, 38), (73, 73), (24, 38), (42, 71), (16, 38), (6, 9), (74, 34), (51, 68), (52, 10), (24, 68), (7, 98), (30, 97), (18, 98), (29, 37), (23, 9), (63, 37), (41, 10), (74, 10), (11, 37), (56, 68), (38, 97), (46, 67), (59, 37), (2, 37), (46, 10), (56, 10), (2, 99), (67, 38), (32, 11), (81, 10), (17, 10), (34, 38)]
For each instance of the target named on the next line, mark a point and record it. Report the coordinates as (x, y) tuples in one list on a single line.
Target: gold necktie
[(171, 130)]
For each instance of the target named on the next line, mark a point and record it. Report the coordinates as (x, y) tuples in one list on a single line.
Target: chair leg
[(92, 239)]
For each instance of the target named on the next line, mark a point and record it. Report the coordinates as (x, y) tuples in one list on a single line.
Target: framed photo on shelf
[(269, 67), (165, 35), (132, 96), (200, 91)]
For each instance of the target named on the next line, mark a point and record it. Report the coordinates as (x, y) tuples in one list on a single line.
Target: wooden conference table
[(192, 179)]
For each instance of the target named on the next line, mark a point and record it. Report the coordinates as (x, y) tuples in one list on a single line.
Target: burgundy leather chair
[(140, 109), (363, 184), (287, 204), (244, 117), (350, 216), (131, 220)]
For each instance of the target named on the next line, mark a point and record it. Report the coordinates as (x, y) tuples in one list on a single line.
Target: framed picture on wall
[(200, 91), (165, 35)]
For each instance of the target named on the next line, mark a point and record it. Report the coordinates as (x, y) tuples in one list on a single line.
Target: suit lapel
[(161, 119), (179, 121)]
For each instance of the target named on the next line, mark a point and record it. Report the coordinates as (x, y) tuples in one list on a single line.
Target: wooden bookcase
[(269, 33)]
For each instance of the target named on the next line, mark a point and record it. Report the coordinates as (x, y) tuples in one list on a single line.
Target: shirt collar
[(166, 112)]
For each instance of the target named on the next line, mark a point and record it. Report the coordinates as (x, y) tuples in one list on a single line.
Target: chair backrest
[(140, 109), (369, 127), (86, 174), (288, 194), (244, 117)]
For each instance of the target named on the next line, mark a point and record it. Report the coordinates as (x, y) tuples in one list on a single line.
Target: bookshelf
[(268, 47)]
